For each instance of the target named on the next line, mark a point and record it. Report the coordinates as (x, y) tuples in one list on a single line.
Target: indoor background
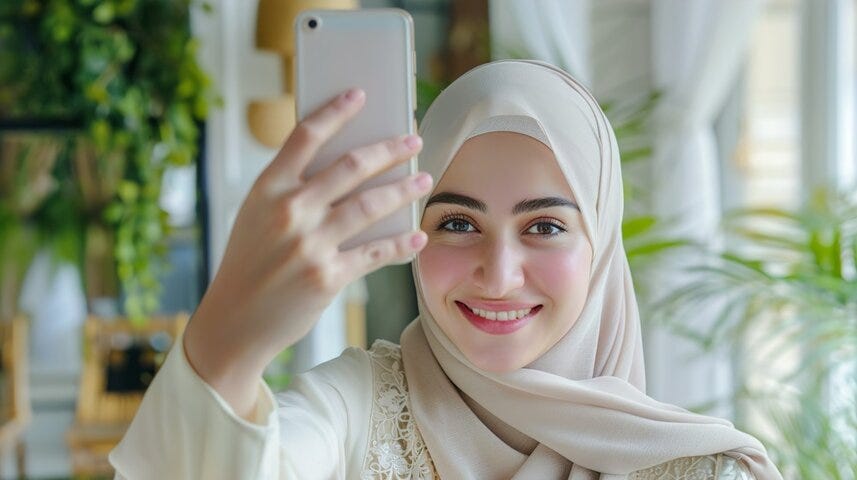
[(131, 130)]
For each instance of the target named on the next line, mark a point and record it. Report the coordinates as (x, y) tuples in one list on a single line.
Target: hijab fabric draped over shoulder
[(583, 402)]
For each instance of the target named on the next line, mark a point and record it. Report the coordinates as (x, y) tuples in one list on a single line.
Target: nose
[(500, 270)]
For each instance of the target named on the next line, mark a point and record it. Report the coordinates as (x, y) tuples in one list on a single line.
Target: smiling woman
[(526, 358), (511, 242), (559, 393)]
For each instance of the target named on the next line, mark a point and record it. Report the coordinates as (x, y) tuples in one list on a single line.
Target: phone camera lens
[(312, 23)]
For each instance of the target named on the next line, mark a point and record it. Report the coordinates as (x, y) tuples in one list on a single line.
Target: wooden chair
[(15, 411), (119, 361)]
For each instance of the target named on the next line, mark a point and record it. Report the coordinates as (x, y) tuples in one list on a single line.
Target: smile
[(501, 316), (502, 322)]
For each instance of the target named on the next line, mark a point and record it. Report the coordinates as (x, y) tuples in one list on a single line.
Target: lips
[(497, 306), (498, 327)]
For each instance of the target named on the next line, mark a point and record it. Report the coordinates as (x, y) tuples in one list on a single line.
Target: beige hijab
[(579, 411)]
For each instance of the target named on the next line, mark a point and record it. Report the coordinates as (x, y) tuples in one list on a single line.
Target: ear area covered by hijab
[(584, 400)]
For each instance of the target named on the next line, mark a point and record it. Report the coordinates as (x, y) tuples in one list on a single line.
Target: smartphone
[(372, 49)]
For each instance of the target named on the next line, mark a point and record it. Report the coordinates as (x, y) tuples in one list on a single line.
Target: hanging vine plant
[(125, 74)]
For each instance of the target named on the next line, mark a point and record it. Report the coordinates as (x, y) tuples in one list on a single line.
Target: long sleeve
[(185, 430)]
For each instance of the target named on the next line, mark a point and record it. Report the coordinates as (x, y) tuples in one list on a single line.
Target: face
[(505, 272)]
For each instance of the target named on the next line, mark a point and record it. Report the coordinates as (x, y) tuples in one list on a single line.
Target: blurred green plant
[(126, 72), (645, 236), (277, 374), (427, 91), (785, 289), (25, 183)]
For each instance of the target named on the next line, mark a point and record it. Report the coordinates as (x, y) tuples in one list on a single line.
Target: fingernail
[(413, 141), (354, 94), (418, 240), (423, 181)]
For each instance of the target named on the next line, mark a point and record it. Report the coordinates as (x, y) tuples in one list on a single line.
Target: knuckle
[(405, 189), (392, 147), (307, 133), (368, 205), (289, 210), (355, 163), (302, 247), (320, 276), (379, 251)]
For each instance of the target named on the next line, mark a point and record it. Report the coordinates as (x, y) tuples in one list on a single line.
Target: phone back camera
[(312, 23)]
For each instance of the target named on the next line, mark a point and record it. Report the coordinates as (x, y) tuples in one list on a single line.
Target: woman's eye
[(545, 228), (457, 225)]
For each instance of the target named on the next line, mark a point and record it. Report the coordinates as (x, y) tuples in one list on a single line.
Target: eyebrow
[(521, 207)]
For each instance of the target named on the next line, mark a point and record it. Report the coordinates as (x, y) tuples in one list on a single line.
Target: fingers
[(359, 165), (367, 258), (311, 133), (356, 213)]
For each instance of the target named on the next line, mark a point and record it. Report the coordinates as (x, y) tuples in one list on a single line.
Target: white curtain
[(698, 48), (556, 31), (827, 89)]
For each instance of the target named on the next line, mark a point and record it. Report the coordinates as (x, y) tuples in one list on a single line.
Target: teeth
[(502, 316)]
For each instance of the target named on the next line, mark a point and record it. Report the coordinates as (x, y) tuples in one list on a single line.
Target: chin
[(492, 362)]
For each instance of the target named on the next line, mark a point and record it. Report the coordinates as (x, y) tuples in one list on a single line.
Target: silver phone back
[(372, 49)]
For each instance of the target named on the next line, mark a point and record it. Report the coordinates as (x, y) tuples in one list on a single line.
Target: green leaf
[(104, 12), (635, 226), (129, 191), (654, 247)]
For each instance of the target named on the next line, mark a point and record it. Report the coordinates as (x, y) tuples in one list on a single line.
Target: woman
[(526, 359)]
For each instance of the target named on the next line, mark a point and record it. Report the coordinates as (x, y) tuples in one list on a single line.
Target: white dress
[(348, 418)]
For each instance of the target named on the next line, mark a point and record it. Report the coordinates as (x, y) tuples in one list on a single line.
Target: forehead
[(505, 165)]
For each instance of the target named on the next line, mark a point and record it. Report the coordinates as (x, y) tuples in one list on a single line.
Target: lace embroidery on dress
[(396, 450), (711, 467)]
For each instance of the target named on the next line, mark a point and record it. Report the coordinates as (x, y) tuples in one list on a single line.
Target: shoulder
[(716, 467), (352, 364), (382, 362), (326, 409), (385, 353), (344, 381), (358, 363)]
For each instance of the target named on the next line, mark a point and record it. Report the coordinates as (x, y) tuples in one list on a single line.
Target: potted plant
[(785, 294), (123, 75)]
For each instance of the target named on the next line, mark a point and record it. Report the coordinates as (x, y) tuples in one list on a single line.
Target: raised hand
[(282, 266)]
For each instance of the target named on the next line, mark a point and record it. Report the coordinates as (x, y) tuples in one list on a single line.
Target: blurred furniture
[(120, 359), (15, 410)]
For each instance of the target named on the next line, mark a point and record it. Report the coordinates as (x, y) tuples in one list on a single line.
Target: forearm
[(219, 359), (185, 429)]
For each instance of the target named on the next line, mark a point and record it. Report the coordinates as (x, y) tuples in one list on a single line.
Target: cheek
[(561, 272), (442, 268)]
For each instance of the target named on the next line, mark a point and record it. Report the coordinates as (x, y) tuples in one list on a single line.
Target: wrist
[(231, 370)]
